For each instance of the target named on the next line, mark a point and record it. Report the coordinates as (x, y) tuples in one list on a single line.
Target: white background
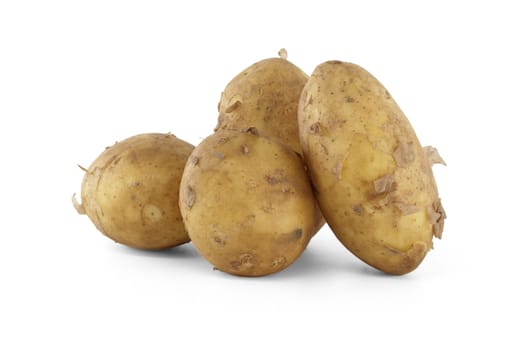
[(76, 76)]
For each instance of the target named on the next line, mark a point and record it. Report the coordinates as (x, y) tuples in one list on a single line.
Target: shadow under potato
[(183, 251), (313, 263)]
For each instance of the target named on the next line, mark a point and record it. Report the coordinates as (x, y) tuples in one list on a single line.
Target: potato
[(247, 203), (265, 96), (372, 178), (131, 191)]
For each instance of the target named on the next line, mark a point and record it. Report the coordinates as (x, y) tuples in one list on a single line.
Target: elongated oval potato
[(265, 96), (372, 178), (247, 203), (131, 191)]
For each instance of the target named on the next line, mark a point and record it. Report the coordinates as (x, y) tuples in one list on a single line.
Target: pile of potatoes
[(289, 152)]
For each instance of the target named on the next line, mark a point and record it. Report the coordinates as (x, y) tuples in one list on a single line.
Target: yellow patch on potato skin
[(373, 180), (131, 191), (251, 213)]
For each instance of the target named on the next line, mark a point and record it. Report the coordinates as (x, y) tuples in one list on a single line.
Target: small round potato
[(265, 96), (373, 180), (247, 203), (131, 191)]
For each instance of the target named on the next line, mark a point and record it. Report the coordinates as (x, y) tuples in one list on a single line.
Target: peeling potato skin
[(372, 179), (131, 191), (250, 212), (265, 96)]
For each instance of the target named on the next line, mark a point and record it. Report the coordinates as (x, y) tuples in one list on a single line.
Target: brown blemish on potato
[(276, 177), (223, 140), (278, 261), (298, 233), (271, 180), (251, 130), (414, 255), (437, 215), (385, 184), (244, 262), (409, 259), (217, 240), (432, 155), (387, 94), (383, 202), (300, 157), (290, 237), (190, 197), (404, 154), (417, 250), (349, 99), (315, 128), (358, 209), (194, 160), (333, 123), (244, 149)]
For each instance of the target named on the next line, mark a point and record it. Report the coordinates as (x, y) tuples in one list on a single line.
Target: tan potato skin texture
[(372, 179), (265, 96), (247, 203), (131, 191)]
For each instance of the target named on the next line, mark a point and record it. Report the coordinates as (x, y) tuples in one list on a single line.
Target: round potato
[(372, 178), (265, 96), (131, 191), (247, 203)]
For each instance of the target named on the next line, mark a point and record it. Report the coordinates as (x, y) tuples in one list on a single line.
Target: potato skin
[(265, 96), (247, 203), (131, 191), (372, 179)]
